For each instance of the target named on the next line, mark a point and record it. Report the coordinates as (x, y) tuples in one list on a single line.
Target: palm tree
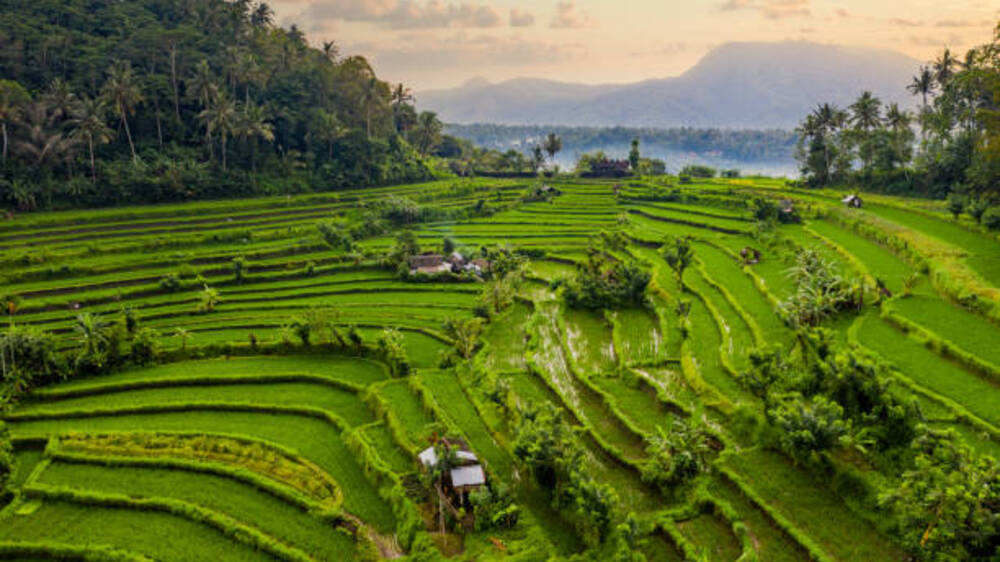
[(922, 84), (865, 116), (90, 329), (262, 16), (944, 68), (122, 90), (898, 121), (252, 125), (88, 121), (60, 98), (331, 50), (371, 97), (329, 129), (222, 116), (184, 336), (12, 99), (40, 141), (552, 145), (401, 94), (427, 133), (202, 86)]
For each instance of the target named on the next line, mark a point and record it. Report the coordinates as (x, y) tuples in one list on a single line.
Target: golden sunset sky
[(442, 43)]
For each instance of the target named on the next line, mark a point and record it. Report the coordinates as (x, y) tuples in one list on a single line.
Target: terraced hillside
[(273, 417)]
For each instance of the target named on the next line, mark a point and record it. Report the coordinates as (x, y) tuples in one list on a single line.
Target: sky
[(431, 44)]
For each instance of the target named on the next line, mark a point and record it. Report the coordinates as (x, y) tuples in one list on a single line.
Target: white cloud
[(521, 19), (773, 9), (402, 14)]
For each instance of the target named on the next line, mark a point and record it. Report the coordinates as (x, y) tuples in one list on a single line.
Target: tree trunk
[(4, 127), (128, 134), (223, 151), (173, 78), (93, 163)]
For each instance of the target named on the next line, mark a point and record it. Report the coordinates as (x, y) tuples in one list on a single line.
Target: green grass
[(406, 406), (343, 404), (156, 535), (967, 330), (713, 535), (246, 504), (638, 336), (314, 439), (930, 370), (588, 338)]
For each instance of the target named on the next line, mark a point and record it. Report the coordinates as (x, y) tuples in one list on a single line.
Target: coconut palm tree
[(88, 122), (60, 98), (12, 99), (222, 116), (865, 116), (552, 145), (252, 125), (427, 133), (262, 16), (40, 140), (331, 50), (91, 331), (923, 85), (371, 97), (944, 68), (329, 129), (122, 90)]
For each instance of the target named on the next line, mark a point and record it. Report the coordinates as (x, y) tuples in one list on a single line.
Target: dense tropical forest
[(103, 103)]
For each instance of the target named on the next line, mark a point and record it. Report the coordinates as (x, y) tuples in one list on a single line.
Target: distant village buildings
[(434, 264)]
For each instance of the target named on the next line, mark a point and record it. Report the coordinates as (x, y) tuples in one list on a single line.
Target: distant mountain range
[(736, 85)]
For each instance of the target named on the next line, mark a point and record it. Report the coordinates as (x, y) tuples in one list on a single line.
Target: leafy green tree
[(552, 145), (208, 299), (426, 135), (12, 98), (633, 156), (677, 454), (465, 333), (810, 428), (946, 505), (678, 254)]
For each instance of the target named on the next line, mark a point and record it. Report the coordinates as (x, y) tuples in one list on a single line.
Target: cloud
[(902, 22), (402, 14), (773, 9), (956, 23), (936, 41), (568, 16), (842, 13), (521, 19), (667, 50)]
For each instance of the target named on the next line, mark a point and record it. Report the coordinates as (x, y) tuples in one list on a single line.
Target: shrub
[(600, 284), (698, 171), (170, 282), (494, 508), (991, 218)]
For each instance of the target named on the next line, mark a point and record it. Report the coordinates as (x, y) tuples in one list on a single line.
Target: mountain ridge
[(736, 85)]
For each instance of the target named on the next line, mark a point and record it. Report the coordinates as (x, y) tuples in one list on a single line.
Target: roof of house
[(426, 260), (428, 457), (472, 475), (432, 269), (850, 198)]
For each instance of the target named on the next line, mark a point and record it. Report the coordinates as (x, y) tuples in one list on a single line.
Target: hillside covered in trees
[(948, 147), (157, 100)]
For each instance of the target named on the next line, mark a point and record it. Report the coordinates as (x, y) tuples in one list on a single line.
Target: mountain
[(736, 85)]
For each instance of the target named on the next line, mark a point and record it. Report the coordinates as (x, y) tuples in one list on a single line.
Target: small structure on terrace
[(429, 264), (853, 201), (463, 472)]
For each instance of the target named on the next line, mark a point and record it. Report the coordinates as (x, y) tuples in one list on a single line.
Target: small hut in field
[(853, 201)]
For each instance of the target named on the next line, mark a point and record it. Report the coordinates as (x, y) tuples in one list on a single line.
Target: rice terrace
[(278, 314)]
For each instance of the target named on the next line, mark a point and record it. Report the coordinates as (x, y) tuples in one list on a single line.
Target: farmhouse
[(465, 474), (429, 264), (853, 201)]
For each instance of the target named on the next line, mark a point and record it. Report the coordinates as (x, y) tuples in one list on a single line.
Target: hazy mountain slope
[(750, 85)]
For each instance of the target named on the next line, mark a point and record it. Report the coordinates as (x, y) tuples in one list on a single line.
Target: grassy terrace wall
[(243, 444)]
